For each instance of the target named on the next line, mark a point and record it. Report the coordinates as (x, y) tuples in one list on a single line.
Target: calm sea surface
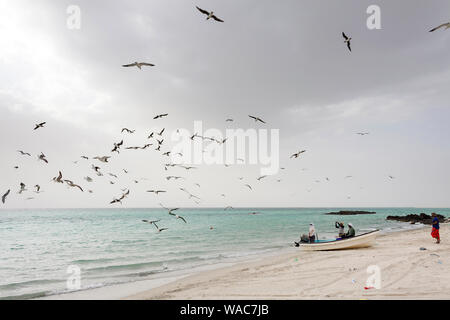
[(113, 246)]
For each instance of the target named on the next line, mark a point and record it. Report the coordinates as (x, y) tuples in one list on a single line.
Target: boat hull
[(361, 241)]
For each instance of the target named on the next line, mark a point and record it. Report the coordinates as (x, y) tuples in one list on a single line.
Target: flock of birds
[(159, 143)]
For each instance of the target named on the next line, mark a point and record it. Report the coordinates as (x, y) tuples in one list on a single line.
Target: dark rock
[(350, 213), (416, 218)]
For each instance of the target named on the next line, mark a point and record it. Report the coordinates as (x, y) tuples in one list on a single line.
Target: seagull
[(391, 177), (151, 221), (168, 209), (247, 185), (177, 216), (117, 146), (138, 64), (58, 179), (73, 185), (446, 25), (124, 170), (150, 135), (156, 191), (174, 177), (161, 132), (23, 153), (262, 177), (113, 175), (115, 200), (39, 125), (96, 169), (190, 194), (209, 14), (160, 116), (127, 130), (88, 179), (229, 120), (296, 155), (257, 119), (347, 40), (159, 229), (84, 157), (146, 146), (22, 188), (362, 133), (102, 159), (42, 157), (38, 188), (5, 195)]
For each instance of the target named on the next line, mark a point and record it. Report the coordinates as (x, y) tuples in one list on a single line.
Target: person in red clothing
[(435, 229)]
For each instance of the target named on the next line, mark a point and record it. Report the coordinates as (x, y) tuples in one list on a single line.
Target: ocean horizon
[(112, 246)]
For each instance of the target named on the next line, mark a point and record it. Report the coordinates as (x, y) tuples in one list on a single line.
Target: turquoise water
[(114, 246)]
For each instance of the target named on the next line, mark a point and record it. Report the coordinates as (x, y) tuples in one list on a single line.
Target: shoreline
[(406, 273), (339, 274)]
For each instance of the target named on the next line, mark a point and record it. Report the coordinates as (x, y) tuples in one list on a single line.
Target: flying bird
[(102, 159), (23, 153), (138, 64), (42, 157), (38, 188), (151, 221), (127, 130), (444, 25), (362, 133), (249, 186), (160, 116), (39, 125), (73, 185), (58, 179), (5, 195), (156, 191), (22, 188), (209, 14), (347, 41), (296, 155), (117, 146), (257, 119)]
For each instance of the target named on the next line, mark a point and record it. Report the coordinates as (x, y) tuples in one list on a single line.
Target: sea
[(41, 250)]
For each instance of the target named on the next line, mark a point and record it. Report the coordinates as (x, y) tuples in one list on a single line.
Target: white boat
[(360, 241)]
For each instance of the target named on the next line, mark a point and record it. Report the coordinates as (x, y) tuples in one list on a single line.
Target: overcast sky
[(284, 61)]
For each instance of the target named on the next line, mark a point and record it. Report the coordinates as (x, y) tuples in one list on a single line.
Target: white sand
[(406, 273)]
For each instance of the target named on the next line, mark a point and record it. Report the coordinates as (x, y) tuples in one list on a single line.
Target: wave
[(17, 285)]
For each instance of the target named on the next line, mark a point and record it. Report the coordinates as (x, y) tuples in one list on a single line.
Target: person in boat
[(312, 233), (435, 228), (351, 231), (340, 226)]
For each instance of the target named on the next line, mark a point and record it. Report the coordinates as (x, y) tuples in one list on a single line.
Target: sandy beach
[(406, 271)]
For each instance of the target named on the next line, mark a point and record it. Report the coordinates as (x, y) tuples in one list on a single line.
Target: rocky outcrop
[(350, 213), (416, 218)]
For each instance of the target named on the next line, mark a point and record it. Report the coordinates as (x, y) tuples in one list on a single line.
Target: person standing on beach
[(435, 229)]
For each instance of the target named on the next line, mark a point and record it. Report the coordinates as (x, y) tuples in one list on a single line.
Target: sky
[(283, 61)]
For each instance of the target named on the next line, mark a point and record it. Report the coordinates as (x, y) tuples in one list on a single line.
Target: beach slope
[(406, 272)]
